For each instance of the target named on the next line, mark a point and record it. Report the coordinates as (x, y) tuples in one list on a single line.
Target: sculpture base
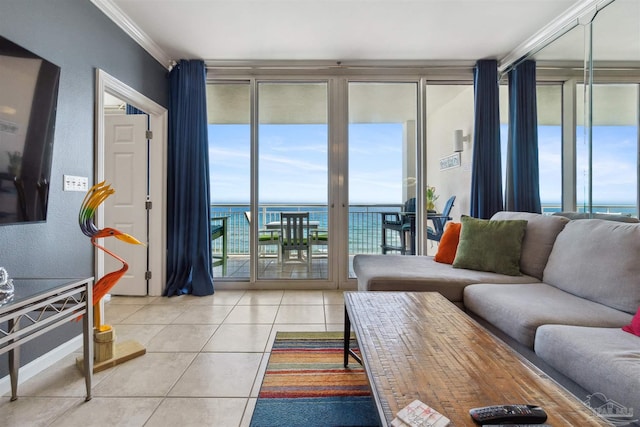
[(104, 344), (122, 352)]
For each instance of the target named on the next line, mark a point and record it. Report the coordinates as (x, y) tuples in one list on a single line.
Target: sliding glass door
[(382, 151), (229, 130), (274, 153), (290, 151), (292, 141)]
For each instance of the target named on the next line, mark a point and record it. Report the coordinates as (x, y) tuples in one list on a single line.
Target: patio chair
[(319, 238), (219, 230), (295, 236), (401, 222), (266, 237), (439, 220)]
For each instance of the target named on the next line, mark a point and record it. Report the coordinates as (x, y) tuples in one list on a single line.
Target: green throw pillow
[(490, 245)]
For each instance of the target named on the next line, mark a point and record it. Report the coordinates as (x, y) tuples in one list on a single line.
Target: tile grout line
[(298, 317)]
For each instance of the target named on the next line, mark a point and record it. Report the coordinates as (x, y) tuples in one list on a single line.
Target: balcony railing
[(629, 210), (364, 223)]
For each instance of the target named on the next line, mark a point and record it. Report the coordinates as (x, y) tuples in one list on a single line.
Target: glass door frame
[(345, 282), (342, 159), (254, 279), (337, 163)]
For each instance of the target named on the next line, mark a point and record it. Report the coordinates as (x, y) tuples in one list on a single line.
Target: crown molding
[(113, 12), (335, 64), (566, 21)]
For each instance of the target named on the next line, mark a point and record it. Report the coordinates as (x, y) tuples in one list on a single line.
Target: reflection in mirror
[(614, 147), (606, 119), (616, 38), (614, 105), (616, 35)]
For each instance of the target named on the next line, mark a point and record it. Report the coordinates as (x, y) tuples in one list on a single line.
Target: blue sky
[(293, 163), (614, 163)]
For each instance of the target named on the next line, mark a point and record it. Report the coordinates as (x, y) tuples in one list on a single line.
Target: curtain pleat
[(523, 180), (486, 173), (189, 269)]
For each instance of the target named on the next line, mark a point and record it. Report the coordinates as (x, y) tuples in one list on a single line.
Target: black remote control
[(508, 414)]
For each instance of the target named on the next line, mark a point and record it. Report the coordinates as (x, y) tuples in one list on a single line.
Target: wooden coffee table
[(419, 345)]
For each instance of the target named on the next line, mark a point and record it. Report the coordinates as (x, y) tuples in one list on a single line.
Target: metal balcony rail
[(364, 224)]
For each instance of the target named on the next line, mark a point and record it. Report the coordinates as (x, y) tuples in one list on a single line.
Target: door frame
[(158, 124), (338, 197), (255, 282)]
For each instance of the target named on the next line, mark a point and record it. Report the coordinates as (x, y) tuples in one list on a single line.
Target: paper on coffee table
[(418, 414)]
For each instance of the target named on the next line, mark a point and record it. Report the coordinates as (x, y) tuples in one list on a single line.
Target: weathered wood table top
[(418, 345)]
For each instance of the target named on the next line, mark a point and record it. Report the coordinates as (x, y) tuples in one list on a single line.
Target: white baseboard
[(33, 368)]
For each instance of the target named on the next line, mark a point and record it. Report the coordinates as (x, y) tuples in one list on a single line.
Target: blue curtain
[(523, 181), (486, 173), (189, 269)]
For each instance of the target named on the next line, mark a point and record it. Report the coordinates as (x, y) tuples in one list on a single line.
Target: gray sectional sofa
[(580, 284)]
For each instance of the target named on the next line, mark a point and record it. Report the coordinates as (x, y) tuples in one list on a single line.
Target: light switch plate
[(75, 183)]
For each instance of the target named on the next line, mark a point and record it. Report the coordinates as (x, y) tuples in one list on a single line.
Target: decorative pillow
[(541, 234), (448, 243), (634, 327), (490, 245)]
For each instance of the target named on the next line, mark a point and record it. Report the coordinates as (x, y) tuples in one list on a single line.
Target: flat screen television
[(28, 101)]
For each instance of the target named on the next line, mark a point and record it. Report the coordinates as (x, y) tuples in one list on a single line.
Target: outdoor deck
[(269, 268)]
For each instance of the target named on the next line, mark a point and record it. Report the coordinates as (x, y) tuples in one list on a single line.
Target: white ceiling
[(368, 30), (424, 30), (615, 32)]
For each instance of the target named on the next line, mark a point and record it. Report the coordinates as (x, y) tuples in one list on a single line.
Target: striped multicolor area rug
[(307, 385)]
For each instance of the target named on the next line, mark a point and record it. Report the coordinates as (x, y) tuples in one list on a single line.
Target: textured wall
[(454, 111), (77, 37)]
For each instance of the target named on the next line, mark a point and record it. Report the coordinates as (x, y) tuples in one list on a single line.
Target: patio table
[(276, 225)]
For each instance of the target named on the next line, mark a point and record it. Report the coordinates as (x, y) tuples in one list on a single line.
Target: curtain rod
[(336, 65)]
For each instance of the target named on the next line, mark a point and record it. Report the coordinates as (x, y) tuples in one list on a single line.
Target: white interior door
[(126, 171)]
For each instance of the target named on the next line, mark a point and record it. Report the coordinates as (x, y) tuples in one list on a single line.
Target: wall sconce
[(458, 140)]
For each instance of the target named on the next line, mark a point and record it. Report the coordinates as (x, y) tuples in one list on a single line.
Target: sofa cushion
[(490, 245), (448, 245), (601, 360), (598, 260), (539, 237), (519, 309), (586, 215), (422, 274)]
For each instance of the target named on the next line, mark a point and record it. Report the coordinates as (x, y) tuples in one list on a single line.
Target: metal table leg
[(14, 361), (347, 341), (87, 338)]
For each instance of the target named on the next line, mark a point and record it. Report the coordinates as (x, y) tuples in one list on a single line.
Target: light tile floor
[(204, 364)]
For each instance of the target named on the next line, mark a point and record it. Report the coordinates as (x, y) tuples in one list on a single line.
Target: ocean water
[(364, 224)]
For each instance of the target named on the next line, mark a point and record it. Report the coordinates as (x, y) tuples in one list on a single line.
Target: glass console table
[(37, 307)]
